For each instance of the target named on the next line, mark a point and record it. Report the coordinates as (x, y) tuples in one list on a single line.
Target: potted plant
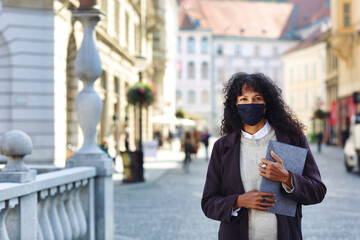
[(140, 93)]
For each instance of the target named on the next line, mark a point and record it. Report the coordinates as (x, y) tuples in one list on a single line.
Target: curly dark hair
[(277, 113)]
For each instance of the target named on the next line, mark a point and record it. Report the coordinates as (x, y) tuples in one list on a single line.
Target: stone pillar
[(88, 107)]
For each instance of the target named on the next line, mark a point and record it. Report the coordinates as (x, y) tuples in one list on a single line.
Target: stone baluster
[(54, 215), (88, 107), (5, 207), (64, 219), (79, 209), (15, 145), (75, 228), (3, 232), (44, 220), (39, 232)]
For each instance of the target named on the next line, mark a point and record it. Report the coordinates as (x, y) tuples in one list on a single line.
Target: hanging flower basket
[(140, 93)]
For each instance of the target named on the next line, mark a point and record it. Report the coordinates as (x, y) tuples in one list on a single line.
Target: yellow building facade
[(345, 43), (304, 81)]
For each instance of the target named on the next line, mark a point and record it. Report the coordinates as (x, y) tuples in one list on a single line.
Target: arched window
[(191, 45), (204, 97), (191, 70), (191, 97), (204, 70), (204, 45)]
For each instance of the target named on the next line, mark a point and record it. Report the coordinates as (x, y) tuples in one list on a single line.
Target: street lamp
[(140, 64)]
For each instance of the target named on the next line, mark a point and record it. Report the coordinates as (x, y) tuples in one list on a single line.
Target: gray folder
[(293, 158)]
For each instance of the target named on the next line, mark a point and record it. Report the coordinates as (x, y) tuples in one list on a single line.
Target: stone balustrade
[(56, 205)]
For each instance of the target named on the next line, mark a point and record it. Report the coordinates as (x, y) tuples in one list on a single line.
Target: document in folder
[(293, 158)]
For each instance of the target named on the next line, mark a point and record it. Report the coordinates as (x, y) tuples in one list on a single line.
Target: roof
[(251, 19), (314, 38), (310, 11), (237, 18)]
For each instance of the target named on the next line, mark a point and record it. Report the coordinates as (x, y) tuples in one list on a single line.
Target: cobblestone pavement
[(170, 207), (338, 216)]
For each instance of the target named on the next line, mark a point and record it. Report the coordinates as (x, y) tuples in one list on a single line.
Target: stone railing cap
[(15, 143)]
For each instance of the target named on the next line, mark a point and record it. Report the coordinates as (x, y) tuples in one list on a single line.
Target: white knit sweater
[(262, 225)]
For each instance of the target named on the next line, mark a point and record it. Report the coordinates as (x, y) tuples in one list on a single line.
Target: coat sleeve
[(215, 203), (309, 189)]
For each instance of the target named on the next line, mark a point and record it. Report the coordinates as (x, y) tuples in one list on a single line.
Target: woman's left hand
[(275, 170)]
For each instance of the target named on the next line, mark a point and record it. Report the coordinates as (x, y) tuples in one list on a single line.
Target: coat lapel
[(231, 159)]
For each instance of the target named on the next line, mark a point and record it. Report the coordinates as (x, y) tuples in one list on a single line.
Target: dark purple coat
[(223, 185)]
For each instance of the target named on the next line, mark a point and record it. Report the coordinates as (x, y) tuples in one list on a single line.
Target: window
[(117, 19), (156, 40), (347, 15), (257, 50), (275, 51), (276, 75), (314, 71), (204, 70), (237, 50), (179, 44), (191, 45), (306, 72), (127, 30), (191, 97), (204, 45), (219, 50), (117, 85), (204, 97), (220, 75), (191, 70), (179, 70), (178, 96), (103, 79), (138, 38)]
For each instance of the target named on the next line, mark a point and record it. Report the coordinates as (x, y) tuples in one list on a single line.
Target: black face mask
[(252, 113)]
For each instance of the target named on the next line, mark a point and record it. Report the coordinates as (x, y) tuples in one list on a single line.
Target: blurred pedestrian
[(158, 137), (188, 146), (170, 138), (254, 114), (205, 140), (319, 139), (197, 138)]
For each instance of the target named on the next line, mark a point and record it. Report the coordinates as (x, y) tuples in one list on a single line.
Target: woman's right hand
[(255, 200)]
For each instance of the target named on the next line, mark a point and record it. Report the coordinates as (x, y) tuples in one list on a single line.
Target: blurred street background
[(125, 80)]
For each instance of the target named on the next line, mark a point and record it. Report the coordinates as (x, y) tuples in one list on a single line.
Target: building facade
[(210, 52), (305, 78), (344, 43), (193, 91), (165, 57), (38, 46)]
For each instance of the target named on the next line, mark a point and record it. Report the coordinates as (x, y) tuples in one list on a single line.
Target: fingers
[(267, 201), (266, 194), (277, 159)]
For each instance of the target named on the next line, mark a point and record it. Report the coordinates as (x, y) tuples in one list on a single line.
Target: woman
[(255, 113)]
